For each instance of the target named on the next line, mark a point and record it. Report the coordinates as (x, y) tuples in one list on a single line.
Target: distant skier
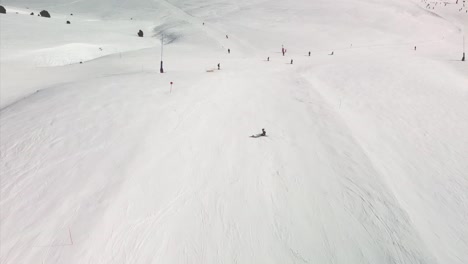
[(219, 66), (140, 33), (268, 59), (292, 61), (309, 53), (331, 53), (229, 51), (414, 47), (263, 134), (227, 36)]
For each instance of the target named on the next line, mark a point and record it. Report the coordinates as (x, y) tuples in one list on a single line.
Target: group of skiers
[(434, 4), (283, 51)]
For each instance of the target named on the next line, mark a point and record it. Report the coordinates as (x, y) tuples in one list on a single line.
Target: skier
[(309, 53), (227, 36), (268, 59), (229, 51), (219, 66), (291, 61), (263, 134), (414, 47), (331, 53)]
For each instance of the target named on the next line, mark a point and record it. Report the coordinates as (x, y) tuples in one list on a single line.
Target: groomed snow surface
[(365, 159)]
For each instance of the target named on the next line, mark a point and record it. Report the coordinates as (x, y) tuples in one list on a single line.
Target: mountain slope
[(105, 162)]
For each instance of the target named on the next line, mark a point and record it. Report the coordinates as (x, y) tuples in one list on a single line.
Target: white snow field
[(365, 159)]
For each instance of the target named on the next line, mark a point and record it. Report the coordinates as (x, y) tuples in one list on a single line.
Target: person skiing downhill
[(263, 132)]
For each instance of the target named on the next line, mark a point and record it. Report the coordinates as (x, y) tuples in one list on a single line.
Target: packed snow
[(106, 160)]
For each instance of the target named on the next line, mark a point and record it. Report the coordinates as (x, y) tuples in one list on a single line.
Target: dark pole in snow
[(161, 70)]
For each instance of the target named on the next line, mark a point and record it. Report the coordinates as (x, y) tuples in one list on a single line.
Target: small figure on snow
[(268, 59), (229, 51), (219, 66), (140, 33), (309, 53), (414, 47), (331, 53), (292, 61), (227, 36), (263, 134)]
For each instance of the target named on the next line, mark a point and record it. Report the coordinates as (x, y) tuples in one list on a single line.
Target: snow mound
[(66, 54)]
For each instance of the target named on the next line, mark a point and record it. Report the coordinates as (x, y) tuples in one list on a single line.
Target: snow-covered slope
[(366, 159)]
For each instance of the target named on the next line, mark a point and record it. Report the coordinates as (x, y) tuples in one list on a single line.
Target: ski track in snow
[(365, 159)]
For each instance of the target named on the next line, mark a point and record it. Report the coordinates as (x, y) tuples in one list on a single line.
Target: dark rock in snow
[(44, 13), (2, 10), (140, 33), (68, 22), (32, 14)]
